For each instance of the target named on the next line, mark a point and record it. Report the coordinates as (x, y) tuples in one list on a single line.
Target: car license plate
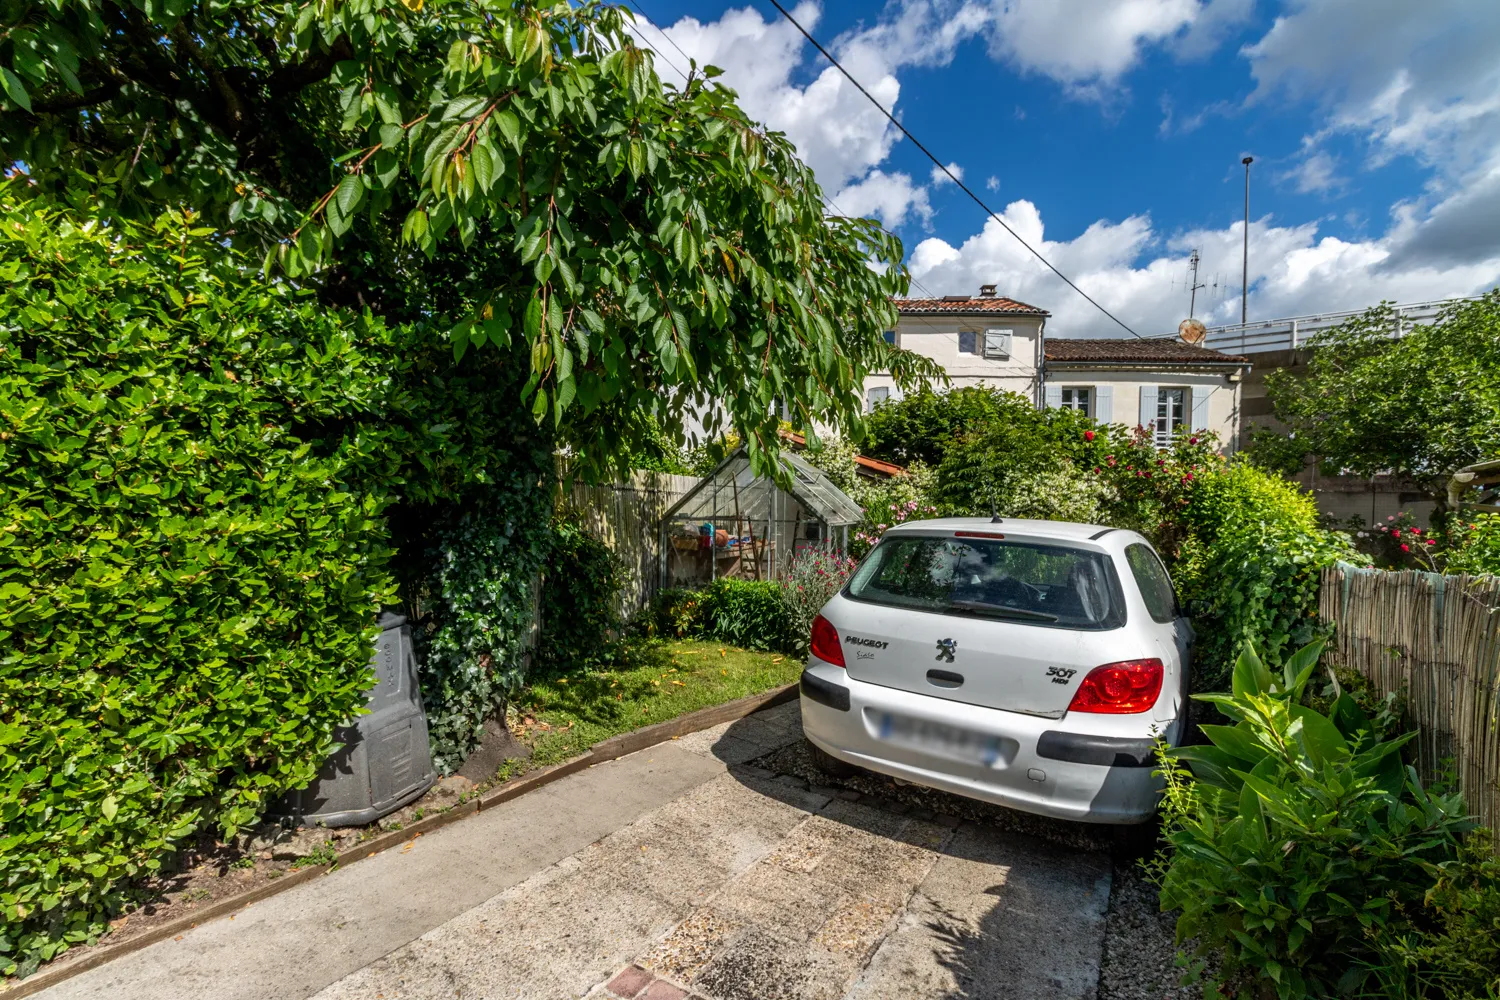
[(940, 739)]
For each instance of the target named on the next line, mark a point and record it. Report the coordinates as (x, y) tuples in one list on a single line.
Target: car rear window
[(1033, 583), (1151, 576)]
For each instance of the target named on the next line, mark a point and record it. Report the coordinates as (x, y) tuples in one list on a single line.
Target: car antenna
[(994, 514)]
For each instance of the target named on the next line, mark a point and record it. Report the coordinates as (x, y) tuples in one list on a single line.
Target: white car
[(1027, 663)]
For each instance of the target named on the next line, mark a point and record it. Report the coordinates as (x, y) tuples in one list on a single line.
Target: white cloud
[(939, 178), (1132, 270), (1316, 173), (836, 130), (890, 196), (992, 182), (1085, 43)]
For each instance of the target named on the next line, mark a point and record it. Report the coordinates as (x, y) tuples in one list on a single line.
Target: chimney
[(986, 291)]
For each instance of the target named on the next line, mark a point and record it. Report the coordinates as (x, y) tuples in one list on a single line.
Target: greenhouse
[(737, 524)]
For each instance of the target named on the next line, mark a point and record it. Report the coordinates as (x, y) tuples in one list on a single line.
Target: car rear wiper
[(1000, 610)]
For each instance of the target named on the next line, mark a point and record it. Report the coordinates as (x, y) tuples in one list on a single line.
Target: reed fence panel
[(1435, 639)]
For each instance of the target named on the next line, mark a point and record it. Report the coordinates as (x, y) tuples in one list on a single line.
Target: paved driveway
[(708, 867)]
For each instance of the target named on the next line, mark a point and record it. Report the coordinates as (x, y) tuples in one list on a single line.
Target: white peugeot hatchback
[(1026, 663)]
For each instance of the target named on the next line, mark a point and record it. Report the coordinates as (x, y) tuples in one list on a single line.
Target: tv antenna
[(1194, 259)]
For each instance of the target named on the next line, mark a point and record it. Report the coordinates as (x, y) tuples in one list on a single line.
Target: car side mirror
[(1196, 608)]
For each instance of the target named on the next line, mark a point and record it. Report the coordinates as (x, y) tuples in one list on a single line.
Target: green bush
[(1299, 840), (1448, 946), (581, 588), (924, 425), (1472, 545), (674, 613), (745, 613), (188, 566)]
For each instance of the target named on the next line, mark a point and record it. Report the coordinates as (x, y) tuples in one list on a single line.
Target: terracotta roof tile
[(965, 305), (1126, 351)]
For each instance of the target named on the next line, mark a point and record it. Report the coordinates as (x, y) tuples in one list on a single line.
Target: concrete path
[(677, 871)]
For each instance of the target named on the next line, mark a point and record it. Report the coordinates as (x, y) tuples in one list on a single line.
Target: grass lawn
[(653, 681)]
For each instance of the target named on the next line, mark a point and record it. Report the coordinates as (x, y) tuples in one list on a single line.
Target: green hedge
[(188, 580), (748, 613)]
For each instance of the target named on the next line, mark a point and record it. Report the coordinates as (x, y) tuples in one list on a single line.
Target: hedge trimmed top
[(649, 249)]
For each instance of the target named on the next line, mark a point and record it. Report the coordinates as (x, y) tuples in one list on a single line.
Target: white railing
[(1292, 332)]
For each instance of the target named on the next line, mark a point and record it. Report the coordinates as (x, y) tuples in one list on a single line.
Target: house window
[(968, 342), (890, 337), (1078, 398), (876, 395), (1171, 413)]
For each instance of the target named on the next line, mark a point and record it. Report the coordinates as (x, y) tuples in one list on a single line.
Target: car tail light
[(1119, 688), (825, 642)]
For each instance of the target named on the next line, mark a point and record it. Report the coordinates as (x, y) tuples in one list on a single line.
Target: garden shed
[(734, 523)]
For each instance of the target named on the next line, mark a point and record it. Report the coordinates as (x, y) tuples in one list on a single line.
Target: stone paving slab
[(999, 916), (573, 926)]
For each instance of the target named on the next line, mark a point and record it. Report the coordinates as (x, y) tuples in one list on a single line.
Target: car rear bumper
[(1096, 770)]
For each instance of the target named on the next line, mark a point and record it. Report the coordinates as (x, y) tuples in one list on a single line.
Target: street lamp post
[(1245, 258)]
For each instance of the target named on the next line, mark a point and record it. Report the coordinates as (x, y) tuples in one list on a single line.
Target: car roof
[(1061, 530)]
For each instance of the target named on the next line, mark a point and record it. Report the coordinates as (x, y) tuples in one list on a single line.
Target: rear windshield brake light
[(977, 534)]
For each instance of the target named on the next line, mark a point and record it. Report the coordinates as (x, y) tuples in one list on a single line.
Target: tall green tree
[(1419, 406), (514, 173)]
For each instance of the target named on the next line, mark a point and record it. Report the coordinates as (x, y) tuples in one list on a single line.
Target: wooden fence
[(627, 517), (1436, 639)]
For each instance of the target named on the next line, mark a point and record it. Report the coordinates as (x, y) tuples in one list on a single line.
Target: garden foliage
[(748, 613), (1306, 856), (516, 173), (813, 578), (580, 593), (191, 557), (1420, 406)]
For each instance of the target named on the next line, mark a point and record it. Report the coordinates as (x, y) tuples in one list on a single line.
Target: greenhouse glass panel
[(737, 524)]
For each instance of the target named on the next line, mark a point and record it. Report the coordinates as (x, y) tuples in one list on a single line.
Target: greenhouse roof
[(732, 481)]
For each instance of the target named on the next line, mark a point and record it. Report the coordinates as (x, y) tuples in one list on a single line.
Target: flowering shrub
[(815, 576), (891, 501), (1059, 495)]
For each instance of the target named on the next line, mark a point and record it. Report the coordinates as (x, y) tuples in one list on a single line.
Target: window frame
[(871, 402), (1087, 409), (1163, 435), (974, 336)]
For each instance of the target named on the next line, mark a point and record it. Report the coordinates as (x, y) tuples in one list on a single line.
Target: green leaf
[(15, 89), (1319, 736), (351, 191), (109, 807), (1250, 675), (509, 127), (391, 136)]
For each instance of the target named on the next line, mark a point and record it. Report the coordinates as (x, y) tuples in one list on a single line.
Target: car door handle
[(945, 678)]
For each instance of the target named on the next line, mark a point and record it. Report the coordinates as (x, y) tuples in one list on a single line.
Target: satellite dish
[(1192, 331)]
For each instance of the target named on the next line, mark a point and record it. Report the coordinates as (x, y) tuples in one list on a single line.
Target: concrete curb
[(605, 750)]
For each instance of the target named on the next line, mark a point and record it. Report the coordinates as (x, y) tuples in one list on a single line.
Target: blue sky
[(1110, 132)]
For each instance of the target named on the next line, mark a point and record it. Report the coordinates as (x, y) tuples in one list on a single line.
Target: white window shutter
[(1148, 406), (1052, 397), (1104, 403), (1200, 397), (997, 343)]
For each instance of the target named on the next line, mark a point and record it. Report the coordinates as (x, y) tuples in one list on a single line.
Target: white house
[(1160, 384), (979, 340), (989, 339)]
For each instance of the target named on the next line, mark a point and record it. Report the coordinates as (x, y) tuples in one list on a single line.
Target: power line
[(663, 32), (943, 167)]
